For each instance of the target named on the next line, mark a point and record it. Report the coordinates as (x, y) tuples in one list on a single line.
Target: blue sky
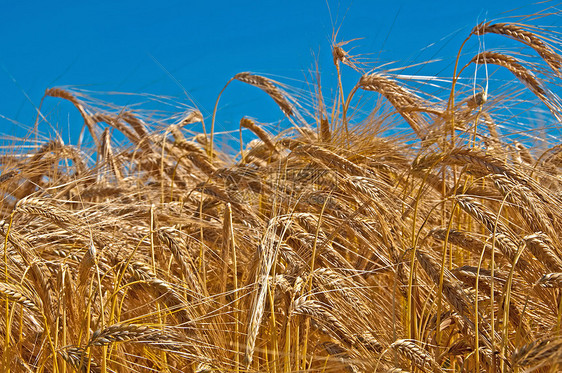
[(166, 47)]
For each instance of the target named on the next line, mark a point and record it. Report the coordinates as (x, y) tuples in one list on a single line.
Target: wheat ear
[(264, 136), (401, 98), (526, 37), (416, 354)]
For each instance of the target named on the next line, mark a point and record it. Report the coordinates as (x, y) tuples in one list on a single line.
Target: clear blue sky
[(161, 46)]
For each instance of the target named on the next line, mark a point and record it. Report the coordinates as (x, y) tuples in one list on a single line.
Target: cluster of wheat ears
[(333, 246)]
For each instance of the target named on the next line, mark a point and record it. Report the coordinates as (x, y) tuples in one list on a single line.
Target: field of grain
[(336, 245)]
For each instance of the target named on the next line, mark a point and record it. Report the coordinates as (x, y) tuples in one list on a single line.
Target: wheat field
[(420, 238)]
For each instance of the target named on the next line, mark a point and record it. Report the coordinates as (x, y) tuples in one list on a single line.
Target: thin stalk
[(341, 96), (451, 103), (347, 103), (6, 365), (210, 150), (312, 263)]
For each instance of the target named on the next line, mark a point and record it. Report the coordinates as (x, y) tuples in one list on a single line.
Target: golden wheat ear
[(518, 33), (514, 66), (416, 354), (260, 132), (271, 87), (268, 86), (88, 119), (524, 75), (408, 104)]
